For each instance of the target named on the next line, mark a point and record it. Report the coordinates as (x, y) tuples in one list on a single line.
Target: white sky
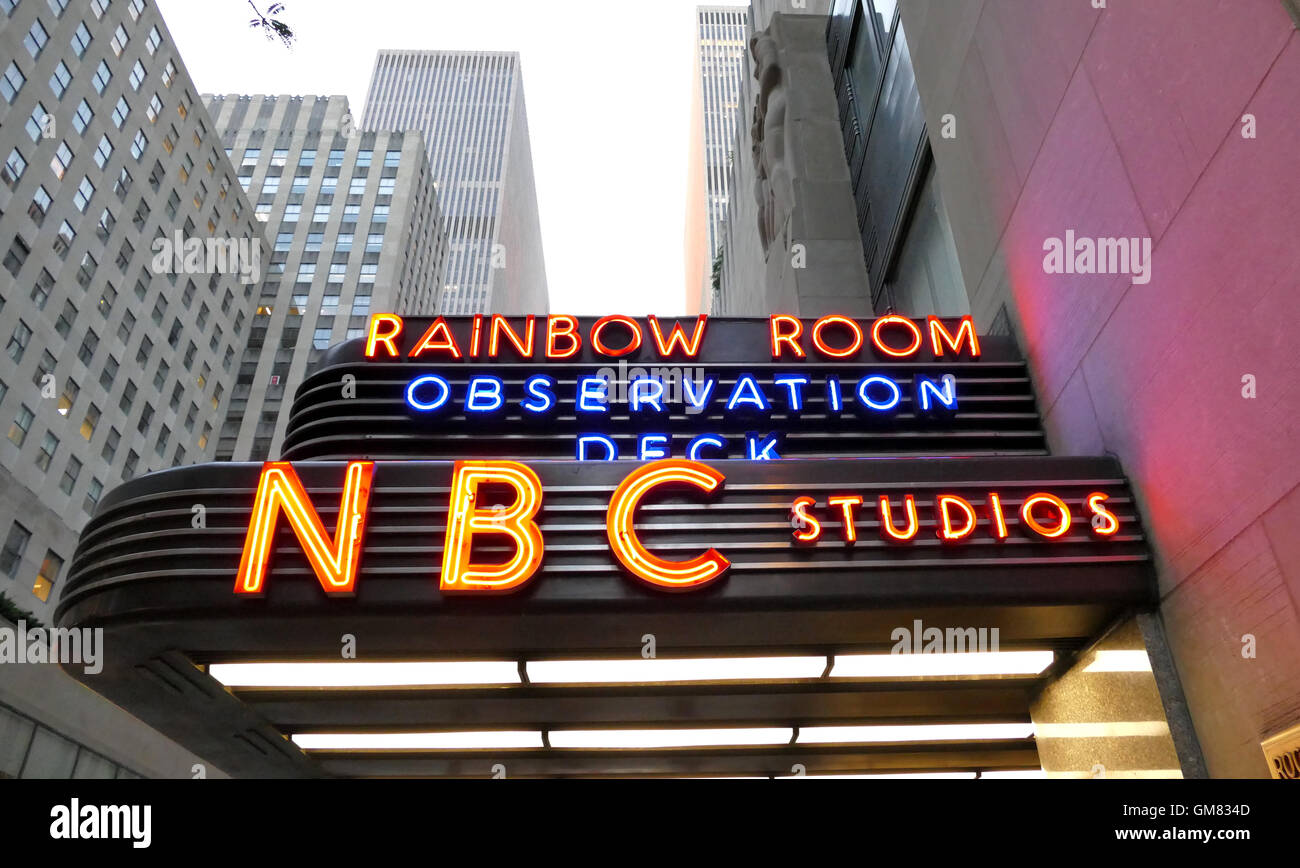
[(607, 85)]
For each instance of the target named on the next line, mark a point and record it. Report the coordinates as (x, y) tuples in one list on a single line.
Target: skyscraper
[(118, 354), (715, 88), (130, 261), (355, 227), (470, 107)]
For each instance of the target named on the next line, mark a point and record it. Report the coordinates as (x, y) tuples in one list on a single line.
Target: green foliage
[(9, 611)]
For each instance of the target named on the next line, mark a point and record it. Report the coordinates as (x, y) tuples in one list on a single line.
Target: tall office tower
[(715, 87), (120, 342), (757, 276), (470, 107), (356, 227), (124, 308)]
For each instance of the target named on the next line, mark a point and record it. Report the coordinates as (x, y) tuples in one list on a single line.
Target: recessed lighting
[(913, 732), (486, 739), (662, 670), (634, 739), (357, 674), (913, 665)]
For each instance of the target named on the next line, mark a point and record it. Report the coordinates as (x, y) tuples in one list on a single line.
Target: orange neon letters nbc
[(334, 562), (673, 575), (466, 518), (690, 347)]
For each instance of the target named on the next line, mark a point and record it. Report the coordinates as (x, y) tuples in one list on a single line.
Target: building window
[(37, 123), (137, 75), (110, 445), (88, 346), (35, 39), (13, 80), (70, 473), (139, 144), (94, 491), (927, 281), (85, 192), (82, 117), (21, 425), (11, 556), (18, 341), (89, 423), (63, 240), (119, 41), (40, 206), (48, 575), (44, 455), (103, 75), (13, 168), (103, 151), (61, 160)]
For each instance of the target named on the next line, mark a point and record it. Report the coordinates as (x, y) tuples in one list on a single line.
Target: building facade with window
[(119, 351), (979, 140), (354, 226), (470, 107), (118, 359)]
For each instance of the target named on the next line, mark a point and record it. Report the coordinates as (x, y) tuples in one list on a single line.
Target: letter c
[(670, 575)]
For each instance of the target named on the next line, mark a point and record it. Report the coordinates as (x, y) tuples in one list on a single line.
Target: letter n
[(334, 561)]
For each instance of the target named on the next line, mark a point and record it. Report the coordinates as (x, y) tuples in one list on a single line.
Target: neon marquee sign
[(336, 560), (741, 398)]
